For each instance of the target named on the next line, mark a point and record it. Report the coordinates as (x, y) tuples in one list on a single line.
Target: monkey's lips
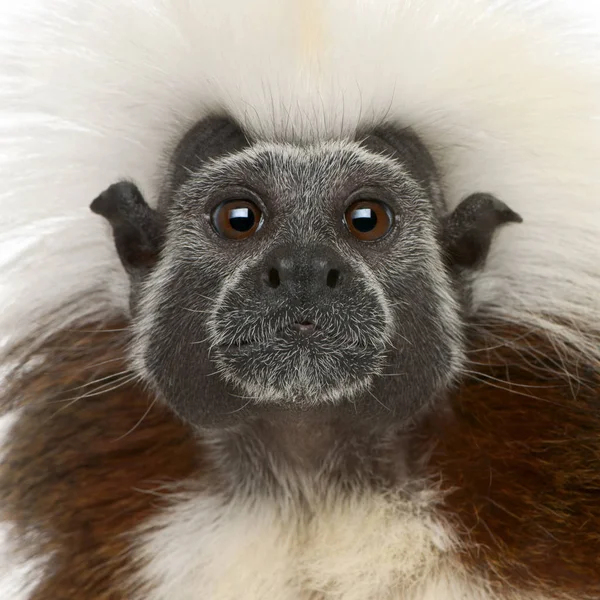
[(297, 332)]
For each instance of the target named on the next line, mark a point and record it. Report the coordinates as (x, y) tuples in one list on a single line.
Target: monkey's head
[(295, 277)]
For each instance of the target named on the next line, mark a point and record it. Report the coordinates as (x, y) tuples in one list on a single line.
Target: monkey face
[(290, 278)]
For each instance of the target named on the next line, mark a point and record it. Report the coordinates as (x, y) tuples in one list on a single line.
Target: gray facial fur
[(219, 337)]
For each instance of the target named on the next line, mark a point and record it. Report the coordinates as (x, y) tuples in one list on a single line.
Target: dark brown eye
[(236, 219), (368, 220)]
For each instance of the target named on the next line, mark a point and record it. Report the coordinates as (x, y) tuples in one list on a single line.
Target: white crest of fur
[(505, 93)]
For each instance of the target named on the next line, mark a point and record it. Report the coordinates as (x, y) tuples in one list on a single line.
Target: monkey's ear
[(137, 229), (468, 231)]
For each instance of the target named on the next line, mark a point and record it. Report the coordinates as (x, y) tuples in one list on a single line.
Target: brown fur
[(520, 458), (81, 469)]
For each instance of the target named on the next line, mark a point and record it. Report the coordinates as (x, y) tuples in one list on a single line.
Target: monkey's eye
[(236, 219), (368, 220)]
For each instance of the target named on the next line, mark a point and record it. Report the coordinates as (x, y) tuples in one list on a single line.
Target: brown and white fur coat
[(105, 494)]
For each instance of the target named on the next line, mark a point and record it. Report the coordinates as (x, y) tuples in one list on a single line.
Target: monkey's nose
[(317, 272)]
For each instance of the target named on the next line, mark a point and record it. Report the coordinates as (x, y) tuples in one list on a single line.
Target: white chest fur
[(361, 548)]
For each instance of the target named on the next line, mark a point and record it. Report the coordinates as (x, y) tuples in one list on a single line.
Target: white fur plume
[(506, 93)]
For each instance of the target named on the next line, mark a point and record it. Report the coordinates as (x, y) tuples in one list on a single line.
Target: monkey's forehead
[(285, 164)]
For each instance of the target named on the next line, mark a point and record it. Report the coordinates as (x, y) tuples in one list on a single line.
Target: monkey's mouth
[(300, 359), (294, 332)]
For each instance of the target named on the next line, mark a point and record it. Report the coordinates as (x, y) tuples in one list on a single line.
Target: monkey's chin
[(305, 395), (301, 378)]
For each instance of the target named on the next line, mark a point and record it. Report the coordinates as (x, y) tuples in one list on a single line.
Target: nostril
[(273, 278), (333, 278)]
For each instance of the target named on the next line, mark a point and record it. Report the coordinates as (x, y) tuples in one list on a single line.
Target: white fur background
[(506, 92)]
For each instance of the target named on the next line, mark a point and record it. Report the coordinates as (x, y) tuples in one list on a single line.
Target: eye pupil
[(364, 220), (241, 219)]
